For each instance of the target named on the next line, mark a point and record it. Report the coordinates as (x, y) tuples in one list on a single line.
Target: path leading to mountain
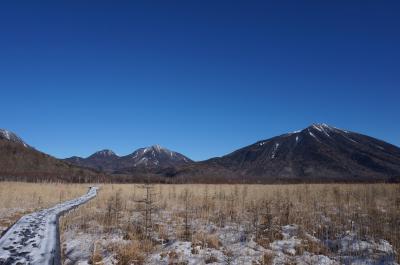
[(35, 239)]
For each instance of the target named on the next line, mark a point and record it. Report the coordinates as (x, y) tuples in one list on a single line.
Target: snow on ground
[(232, 245), (77, 251), (211, 239), (186, 253), (353, 250), (237, 250), (78, 246), (34, 238)]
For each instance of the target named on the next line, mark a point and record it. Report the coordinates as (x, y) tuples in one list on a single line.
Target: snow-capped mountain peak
[(157, 147), (12, 137), (325, 128), (321, 126), (153, 148), (105, 153), (319, 151), (156, 155), (150, 157)]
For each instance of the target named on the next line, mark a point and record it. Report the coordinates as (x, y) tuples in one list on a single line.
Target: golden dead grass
[(19, 198), (37, 195), (322, 210)]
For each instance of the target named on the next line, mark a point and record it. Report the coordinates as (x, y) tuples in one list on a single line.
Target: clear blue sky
[(200, 77)]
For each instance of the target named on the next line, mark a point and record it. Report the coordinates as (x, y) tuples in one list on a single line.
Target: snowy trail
[(34, 239)]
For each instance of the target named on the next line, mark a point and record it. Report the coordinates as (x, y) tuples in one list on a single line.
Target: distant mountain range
[(149, 158), (318, 153)]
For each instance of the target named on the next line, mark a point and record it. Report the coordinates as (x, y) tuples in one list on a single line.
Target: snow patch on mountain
[(274, 150), (105, 152), (156, 155), (322, 128), (12, 137), (313, 135)]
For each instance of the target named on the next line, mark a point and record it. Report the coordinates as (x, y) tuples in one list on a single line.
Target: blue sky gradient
[(203, 78)]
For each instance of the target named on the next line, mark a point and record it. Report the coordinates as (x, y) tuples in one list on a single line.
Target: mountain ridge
[(12, 137), (319, 152), (151, 157), (19, 161)]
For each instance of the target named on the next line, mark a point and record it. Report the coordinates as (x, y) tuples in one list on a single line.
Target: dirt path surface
[(34, 239)]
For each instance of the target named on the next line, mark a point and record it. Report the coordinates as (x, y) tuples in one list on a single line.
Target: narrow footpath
[(34, 239)]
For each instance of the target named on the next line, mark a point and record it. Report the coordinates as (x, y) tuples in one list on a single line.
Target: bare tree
[(148, 206), (187, 196)]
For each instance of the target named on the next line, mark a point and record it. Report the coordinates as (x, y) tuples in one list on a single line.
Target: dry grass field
[(220, 224), (236, 224), (19, 198)]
